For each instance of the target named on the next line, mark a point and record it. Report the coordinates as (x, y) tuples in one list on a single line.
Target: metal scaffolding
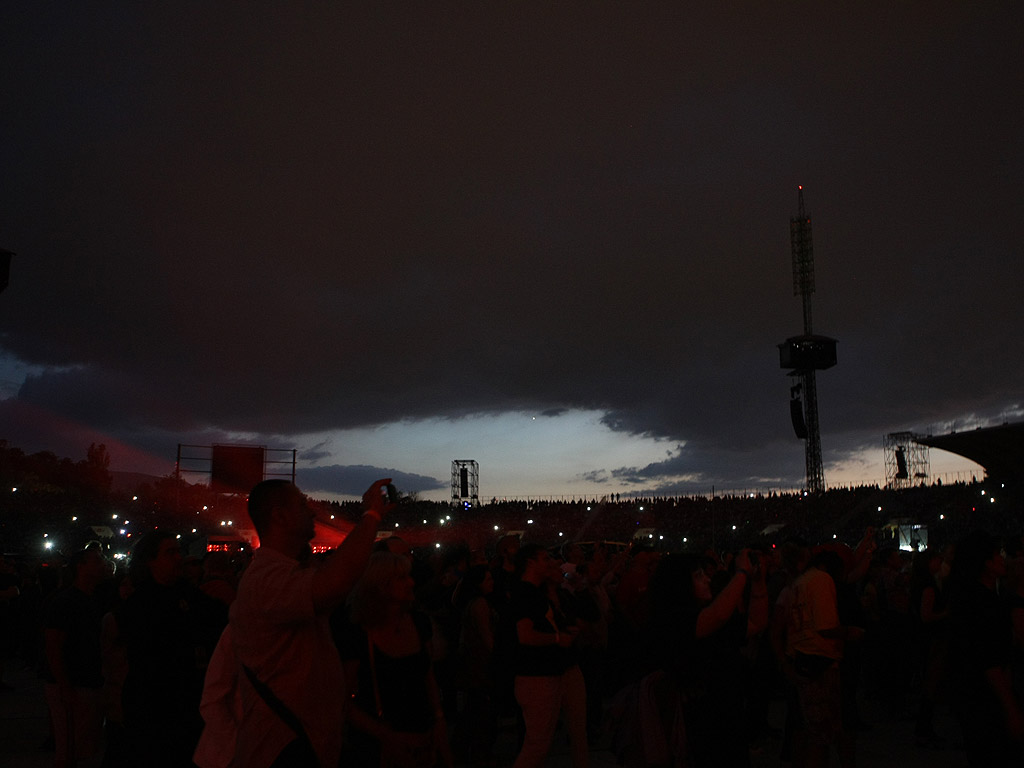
[(465, 481), (907, 462)]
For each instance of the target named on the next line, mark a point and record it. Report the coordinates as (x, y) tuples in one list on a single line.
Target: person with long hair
[(394, 712)]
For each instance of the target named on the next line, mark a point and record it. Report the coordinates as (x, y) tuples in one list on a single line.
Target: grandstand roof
[(1000, 450)]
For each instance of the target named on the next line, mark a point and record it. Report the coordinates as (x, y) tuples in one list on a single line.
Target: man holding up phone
[(290, 677)]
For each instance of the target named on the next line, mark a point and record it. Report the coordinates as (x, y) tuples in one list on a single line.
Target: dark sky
[(285, 221)]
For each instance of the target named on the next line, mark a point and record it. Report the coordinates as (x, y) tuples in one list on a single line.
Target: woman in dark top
[(697, 640), (548, 680), (395, 709)]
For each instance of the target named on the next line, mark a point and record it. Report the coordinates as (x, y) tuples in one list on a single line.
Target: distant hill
[(129, 482)]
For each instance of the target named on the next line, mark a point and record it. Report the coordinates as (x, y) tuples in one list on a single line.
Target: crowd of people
[(378, 655)]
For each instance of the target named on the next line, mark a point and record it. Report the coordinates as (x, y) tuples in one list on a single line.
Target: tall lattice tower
[(806, 354)]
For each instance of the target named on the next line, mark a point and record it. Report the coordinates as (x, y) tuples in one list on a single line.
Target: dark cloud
[(354, 480), (552, 413), (315, 454), (598, 476), (284, 222)]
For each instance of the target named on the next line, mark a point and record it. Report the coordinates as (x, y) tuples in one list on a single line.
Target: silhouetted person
[(548, 680), (696, 639), (990, 715), (74, 678), (169, 629), (291, 683), (395, 706)]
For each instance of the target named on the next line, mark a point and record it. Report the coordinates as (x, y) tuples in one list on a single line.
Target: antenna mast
[(808, 353)]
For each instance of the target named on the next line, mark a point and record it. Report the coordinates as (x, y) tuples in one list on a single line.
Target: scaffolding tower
[(465, 482), (907, 462)]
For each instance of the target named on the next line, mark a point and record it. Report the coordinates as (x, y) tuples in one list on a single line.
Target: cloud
[(354, 480), (274, 225), (315, 454), (598, 476)]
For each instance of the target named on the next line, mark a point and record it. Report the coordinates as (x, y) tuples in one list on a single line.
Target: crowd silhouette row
[(380, 653)]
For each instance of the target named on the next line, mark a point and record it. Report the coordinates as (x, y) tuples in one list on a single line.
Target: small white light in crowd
[(879, 509), (14, 489), (448, 517), (992, 499), (396, 525), (641, 509), (983, 493), (45, 535), (178, 536), (559, 533), (834, 536), (122, 531), (332, 517), (734, 527), (126, 522), (193, 530), (588, 507), (441, 521), (942, 517), (424, 522), (231, 522), (119, 555), (529, 522), (223, 523), (661, 538), (437, 546), (113, 516), (495, 527), (650, 535), (751, 496), (205, 507), (48, 545), (73, 518), (135, 498), (684, 539)]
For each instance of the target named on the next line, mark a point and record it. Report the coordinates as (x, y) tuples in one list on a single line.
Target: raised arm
[(335, 579)]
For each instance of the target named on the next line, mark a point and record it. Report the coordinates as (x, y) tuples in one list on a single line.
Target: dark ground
[(889, 743)]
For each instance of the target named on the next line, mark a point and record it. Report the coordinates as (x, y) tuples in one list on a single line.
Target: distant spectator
[(696, 640), (991, 718), (476, 730), (73, 670), (548, 680), (631, 594), (814, 648), (169, 629), (219, 577), (931, 612), (395, 706), (9, 592)]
